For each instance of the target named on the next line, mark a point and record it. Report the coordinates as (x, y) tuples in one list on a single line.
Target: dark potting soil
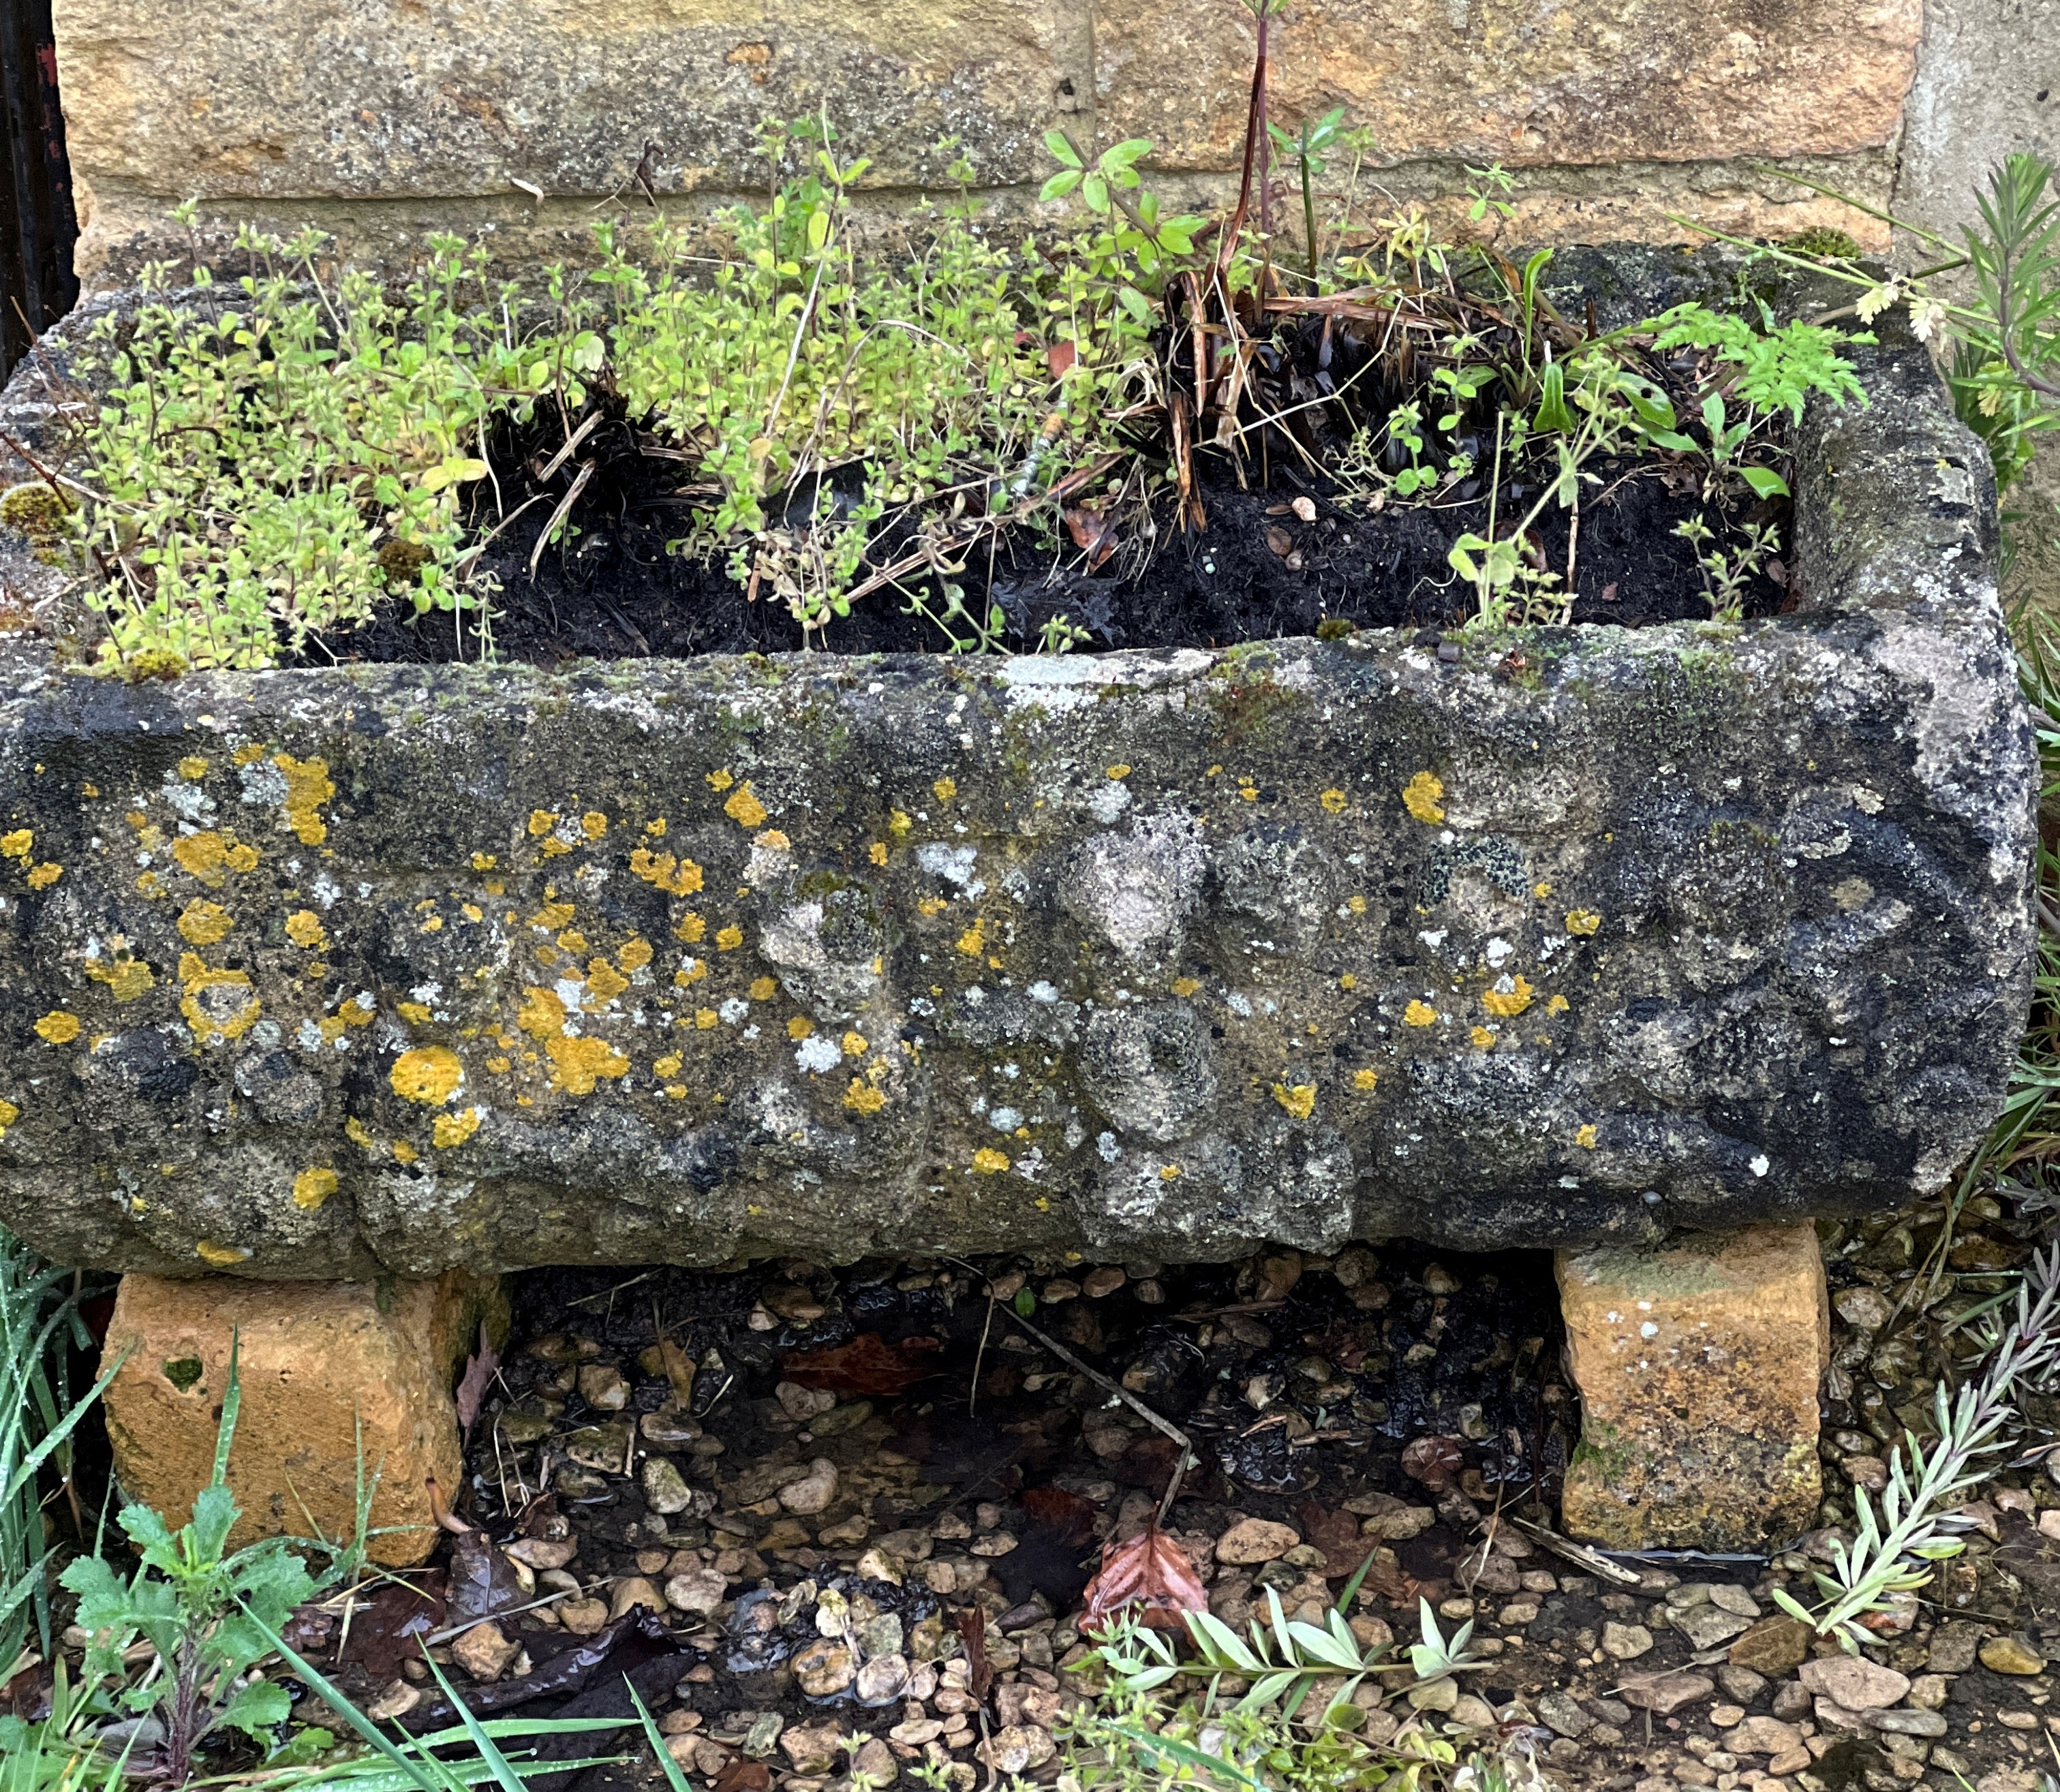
[(1259, 571)]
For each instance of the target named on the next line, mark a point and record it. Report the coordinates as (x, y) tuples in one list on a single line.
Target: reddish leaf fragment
[(972, 1623), (478, 1376), (867, 1366), (1060, 357), (1092, 533), (1150, 1571), (744, 1775), (1069, 1517), (1434, 1461)]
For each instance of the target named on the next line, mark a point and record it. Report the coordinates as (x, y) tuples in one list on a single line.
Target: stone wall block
[(314, 1359), (1698, 1364)]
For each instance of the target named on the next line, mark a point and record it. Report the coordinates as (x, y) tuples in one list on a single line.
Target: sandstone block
[(315, 1360), (1698, 1365)]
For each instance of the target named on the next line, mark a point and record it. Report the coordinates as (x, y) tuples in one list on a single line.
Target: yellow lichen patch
[(862, 1098), (655, 829), (240, 857), (499, 1065), (428, 1074), (471, 911), (220, 1255), (667, 1065), (403, 1152), (1169, 1172), (855, 1045), (484, 861), (1422, 796), (552, 915), (944, 789), (356, 1130), (973, 941), (1356, 904), (1558, 1005), (1334, 801), (312, 1187), (1247, 792), (17, 845), (1508, 1003), (57, 1027), (248, 754), (1347, 981), (675, 876), (928, 906), (728, 939), (877, 852), (192, 769), (1482, 1037), (149, 886), (745, 809), (126, 978), (43, 876), (572, 940), (218, 1004), (541, 1015), (689, 926), (9, 1114), (720, 781), (1119, 772), (773, 841), (305, 928), (202, 922), (454, 1129), (898, 823), (801, 1026), (541, 822), (763, 989), (1582, 920), (604, 983), (1184, 987), (1541, 891), (990, 1162), (1366, 1079), (675, 1091), (1300, 1100), (578, 1064), (705, 1019), (201, 855), (636, 953), (593, 824), (416, 1014), (308, 788), (690, 973), (1585, 1138), (1419, 1014)]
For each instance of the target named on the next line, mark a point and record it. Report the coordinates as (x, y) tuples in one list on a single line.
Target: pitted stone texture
[(313, 1361), (394, 969), (1698, 1364)]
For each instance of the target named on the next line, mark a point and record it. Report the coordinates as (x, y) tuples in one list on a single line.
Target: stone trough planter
[(1580, 938)]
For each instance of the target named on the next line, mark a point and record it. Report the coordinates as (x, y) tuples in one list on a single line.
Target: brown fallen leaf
[(1150, 1571), (478, 1376), (742, 1775), (867, 1366), (1069, 1517), (1092, 533), (1280, 541), (1059, 357), (1337, 1535), (971, 1622), (1434, 1461)]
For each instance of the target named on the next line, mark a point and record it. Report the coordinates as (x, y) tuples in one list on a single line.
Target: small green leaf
[(1062, 151), (1060, 184), (1764, 482)]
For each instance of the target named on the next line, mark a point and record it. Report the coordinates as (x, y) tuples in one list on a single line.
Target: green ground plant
[(40, 1326)]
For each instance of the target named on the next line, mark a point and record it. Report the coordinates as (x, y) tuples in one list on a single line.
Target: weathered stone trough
[(1581, 938)]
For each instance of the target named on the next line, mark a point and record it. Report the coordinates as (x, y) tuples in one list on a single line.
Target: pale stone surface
[(1698, 1364), (313, 1359), (381, 120)]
